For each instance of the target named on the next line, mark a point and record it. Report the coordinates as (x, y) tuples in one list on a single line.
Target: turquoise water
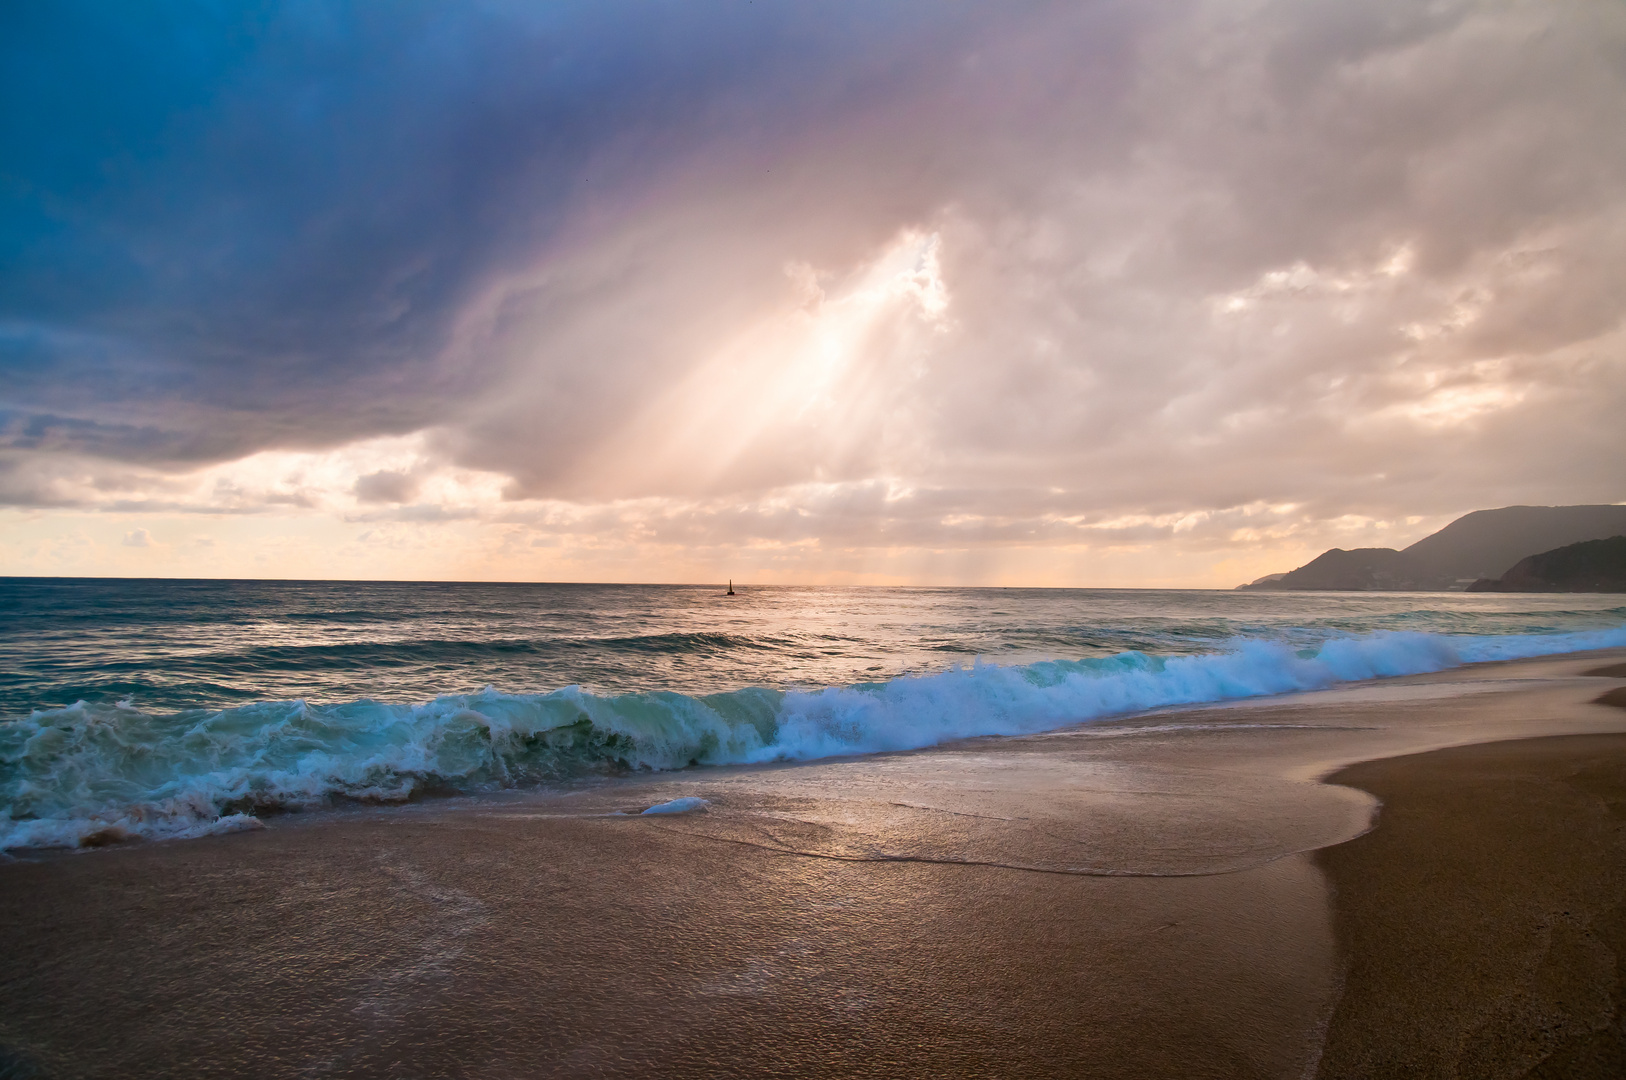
[(167, 708)]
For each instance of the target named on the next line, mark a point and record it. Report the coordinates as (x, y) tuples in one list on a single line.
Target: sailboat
[(730, 591)]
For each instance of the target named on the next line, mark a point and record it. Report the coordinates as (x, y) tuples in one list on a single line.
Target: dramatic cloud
[(1099, 293)]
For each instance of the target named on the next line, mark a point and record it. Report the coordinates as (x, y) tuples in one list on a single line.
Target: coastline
[(1138, 898)]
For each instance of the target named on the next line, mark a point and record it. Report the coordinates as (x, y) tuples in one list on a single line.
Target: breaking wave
[(90, 773)]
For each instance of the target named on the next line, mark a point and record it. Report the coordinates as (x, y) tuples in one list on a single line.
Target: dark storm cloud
[(264, 218)]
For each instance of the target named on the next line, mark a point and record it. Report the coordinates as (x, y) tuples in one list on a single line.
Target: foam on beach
[(689, 804), (95, 772)]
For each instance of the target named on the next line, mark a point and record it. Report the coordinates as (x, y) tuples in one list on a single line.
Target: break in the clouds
[(1094, 293)]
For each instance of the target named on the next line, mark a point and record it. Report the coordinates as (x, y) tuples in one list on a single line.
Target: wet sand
[(1136, 899), (1483, 921), (487, 947)]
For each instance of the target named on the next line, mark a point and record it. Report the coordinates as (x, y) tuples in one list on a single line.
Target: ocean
[(180, 708)]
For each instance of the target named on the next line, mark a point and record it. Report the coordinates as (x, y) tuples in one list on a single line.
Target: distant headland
[(1512, 549)]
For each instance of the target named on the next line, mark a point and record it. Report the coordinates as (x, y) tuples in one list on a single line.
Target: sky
[(1096, 293)]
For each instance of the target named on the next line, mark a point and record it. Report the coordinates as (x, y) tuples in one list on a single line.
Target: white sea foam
[(686, 805), (98, 772)]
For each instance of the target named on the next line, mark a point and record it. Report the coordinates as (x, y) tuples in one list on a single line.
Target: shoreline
[(386, 752), (535, 935), (1520, 842)]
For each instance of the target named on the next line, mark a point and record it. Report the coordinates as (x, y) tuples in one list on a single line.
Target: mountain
[(1590, 566), (1486, 543), (1476, 546), (1360, 570)]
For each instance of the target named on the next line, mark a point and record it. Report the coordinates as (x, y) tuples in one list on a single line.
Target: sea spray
[(92, 771)]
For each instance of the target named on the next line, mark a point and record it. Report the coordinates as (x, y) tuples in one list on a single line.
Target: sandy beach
[(1484, 920), (1173, 894)]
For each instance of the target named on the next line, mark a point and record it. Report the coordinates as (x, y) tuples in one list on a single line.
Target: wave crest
[(71, 775)]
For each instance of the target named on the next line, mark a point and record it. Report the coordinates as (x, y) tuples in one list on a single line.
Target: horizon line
[(593, 584)]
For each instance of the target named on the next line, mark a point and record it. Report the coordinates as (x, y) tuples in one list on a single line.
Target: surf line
[(1062, 871)]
